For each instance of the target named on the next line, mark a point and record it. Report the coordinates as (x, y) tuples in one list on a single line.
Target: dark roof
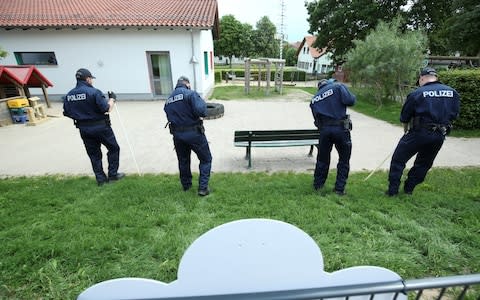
[(201, 14)]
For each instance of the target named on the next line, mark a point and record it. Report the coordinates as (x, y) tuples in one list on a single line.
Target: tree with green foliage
[(235, 38), (430, 16), (387, 60), (450, 26), (338, 22), (3, 53), (265, 44), (290, 55), (462, 27)]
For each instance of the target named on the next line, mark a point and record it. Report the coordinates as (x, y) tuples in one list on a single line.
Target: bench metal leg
[(310, 153), (249, 157)]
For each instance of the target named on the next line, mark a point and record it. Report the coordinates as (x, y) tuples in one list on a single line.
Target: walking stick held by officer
[(112, 95), (406, 128)]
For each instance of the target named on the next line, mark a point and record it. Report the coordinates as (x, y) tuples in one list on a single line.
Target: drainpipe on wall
[(193, 61)]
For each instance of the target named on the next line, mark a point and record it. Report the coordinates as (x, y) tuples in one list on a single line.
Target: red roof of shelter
[(23, 75), (109, 13)]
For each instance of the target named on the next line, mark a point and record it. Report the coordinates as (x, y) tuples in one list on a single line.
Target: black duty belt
[(90, 122), (195, 127), (434, 127), (332, 122), (185, 128)]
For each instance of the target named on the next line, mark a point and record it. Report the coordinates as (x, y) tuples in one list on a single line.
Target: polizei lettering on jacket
[(438, 94), (322, 96), (77, 97), (175, 98)]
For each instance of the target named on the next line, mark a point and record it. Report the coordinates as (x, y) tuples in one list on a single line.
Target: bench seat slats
[(275, 138), (256, 138), (285, 143)]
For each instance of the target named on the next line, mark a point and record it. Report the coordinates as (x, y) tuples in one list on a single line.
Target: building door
[(160, 73)]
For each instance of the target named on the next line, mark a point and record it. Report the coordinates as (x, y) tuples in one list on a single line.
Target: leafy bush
[(467, 84), (387, 60), (218, 76)]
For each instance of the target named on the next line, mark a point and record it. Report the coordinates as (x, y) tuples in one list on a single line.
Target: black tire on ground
[(214, 110)]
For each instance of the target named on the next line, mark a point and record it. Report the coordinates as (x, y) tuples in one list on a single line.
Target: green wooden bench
[(275, 138)]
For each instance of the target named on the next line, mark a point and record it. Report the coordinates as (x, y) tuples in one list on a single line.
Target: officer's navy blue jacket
[(331, 101), (433, 102), (184, 107), (85, 103)]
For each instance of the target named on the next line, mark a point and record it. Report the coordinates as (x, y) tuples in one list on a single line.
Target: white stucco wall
[(305, 62), (118, 58), (206, 45), (326, 60)]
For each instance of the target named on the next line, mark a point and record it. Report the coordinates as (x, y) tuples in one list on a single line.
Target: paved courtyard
[(55, 147)]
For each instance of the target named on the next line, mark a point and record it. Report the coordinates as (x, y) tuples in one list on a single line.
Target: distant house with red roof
[(313, 60), (137, 48)]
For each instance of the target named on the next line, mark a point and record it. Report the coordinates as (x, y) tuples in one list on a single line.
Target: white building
[(224, 60), (313, 60), (136, 48)]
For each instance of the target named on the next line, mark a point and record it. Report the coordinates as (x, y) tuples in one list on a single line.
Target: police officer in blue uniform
[(427, 116), (329, 109), (89, 109), (185, 110)]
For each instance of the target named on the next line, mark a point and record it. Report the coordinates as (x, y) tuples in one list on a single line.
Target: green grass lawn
[(62, 234), (237, 92)]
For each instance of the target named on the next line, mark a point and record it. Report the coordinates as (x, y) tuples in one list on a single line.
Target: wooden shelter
[(17, 80), (267, 64)]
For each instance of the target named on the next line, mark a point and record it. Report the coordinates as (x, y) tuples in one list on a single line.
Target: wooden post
[(259, 67), (247, 76), (21, 91), (44, 89), (26, 91), (279, 77), (267, 92)]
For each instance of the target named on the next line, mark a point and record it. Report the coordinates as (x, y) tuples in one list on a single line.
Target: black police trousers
[(94, 136), (425, 144), (185, 142), (340, 137)]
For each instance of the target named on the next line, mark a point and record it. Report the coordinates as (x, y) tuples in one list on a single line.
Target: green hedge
[(467, 84), (287, 75)]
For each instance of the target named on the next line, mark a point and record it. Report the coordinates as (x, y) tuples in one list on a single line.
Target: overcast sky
[(251, 11)]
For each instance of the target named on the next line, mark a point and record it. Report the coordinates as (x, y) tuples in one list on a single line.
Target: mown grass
[(237, 92), (61, 234)]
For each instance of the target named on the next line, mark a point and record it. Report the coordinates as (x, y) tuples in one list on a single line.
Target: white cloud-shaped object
[(245, 256)]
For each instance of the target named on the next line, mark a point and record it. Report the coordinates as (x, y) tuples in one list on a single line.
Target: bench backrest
[(276, 135)]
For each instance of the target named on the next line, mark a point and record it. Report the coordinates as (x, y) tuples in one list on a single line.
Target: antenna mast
[(282, 26)]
